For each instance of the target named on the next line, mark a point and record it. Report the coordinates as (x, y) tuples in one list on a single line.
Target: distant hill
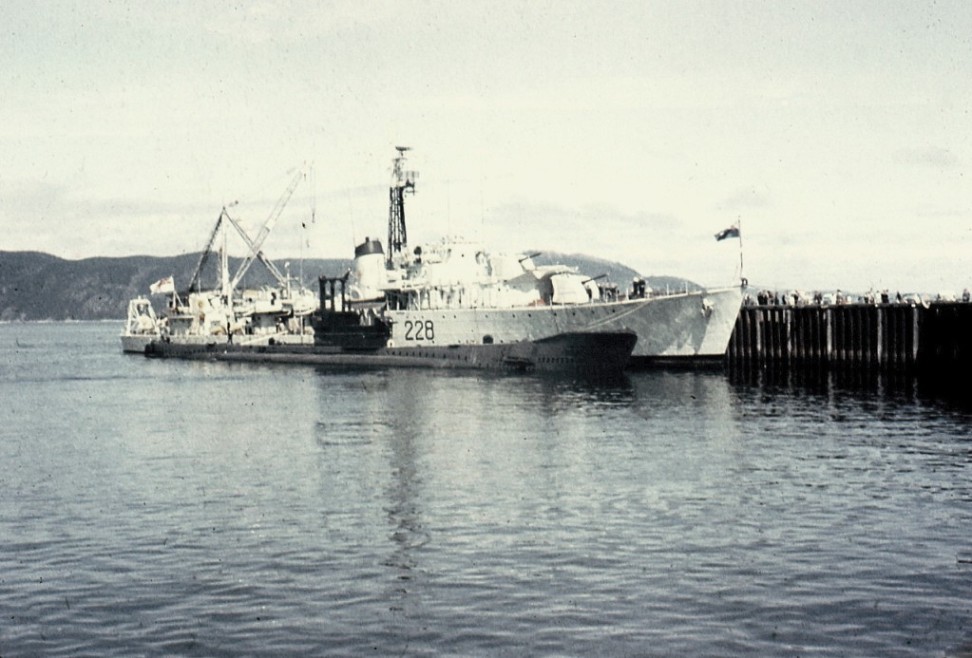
[(39, 286)]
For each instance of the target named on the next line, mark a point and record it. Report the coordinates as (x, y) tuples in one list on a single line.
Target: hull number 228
[(419, 330)]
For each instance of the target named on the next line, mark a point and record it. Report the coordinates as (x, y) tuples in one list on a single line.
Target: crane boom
[(204, 256), (268, 225), (281, 279)]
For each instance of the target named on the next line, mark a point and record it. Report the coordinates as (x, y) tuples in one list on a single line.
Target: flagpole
[(739, 226)]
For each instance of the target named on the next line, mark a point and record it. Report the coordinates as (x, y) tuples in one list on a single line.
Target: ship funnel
[(368, 276)]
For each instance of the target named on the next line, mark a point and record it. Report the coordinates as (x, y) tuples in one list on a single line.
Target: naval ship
[(454, 292)]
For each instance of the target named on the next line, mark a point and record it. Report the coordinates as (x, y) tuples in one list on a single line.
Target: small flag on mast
[(163, 286), (731, 232)]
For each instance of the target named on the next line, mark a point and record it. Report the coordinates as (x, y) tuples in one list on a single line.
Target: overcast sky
[(838, 133)]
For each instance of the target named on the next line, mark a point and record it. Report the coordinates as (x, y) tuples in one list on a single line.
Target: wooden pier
[(892, 337)]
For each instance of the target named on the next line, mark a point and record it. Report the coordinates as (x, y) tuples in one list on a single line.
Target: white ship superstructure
[(142, 325)]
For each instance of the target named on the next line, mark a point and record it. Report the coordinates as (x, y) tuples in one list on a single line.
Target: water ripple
[(158, 508)]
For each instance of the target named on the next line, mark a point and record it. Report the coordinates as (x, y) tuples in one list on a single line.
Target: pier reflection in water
[(931, 387)]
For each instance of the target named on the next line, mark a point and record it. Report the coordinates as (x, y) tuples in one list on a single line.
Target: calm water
[(172, 508)]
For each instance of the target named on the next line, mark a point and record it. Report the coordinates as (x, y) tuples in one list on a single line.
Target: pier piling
[(898, 337)]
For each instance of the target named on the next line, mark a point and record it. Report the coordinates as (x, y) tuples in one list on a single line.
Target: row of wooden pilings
[(898, 337)]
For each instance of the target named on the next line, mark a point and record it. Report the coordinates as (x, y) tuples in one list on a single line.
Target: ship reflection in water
[(560, 516)]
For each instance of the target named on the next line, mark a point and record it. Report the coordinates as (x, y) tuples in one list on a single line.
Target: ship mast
[(402, 181)]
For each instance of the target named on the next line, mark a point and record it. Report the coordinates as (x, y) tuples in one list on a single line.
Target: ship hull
[(583, 353), (692, 327), (136, 343)]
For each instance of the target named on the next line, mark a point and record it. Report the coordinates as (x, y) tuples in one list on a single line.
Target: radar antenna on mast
[(403, 181)]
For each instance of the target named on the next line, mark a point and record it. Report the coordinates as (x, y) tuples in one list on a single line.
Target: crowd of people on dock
[(837, 298)]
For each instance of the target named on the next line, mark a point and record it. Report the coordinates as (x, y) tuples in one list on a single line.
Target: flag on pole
[(163, 286), (731, 232)]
